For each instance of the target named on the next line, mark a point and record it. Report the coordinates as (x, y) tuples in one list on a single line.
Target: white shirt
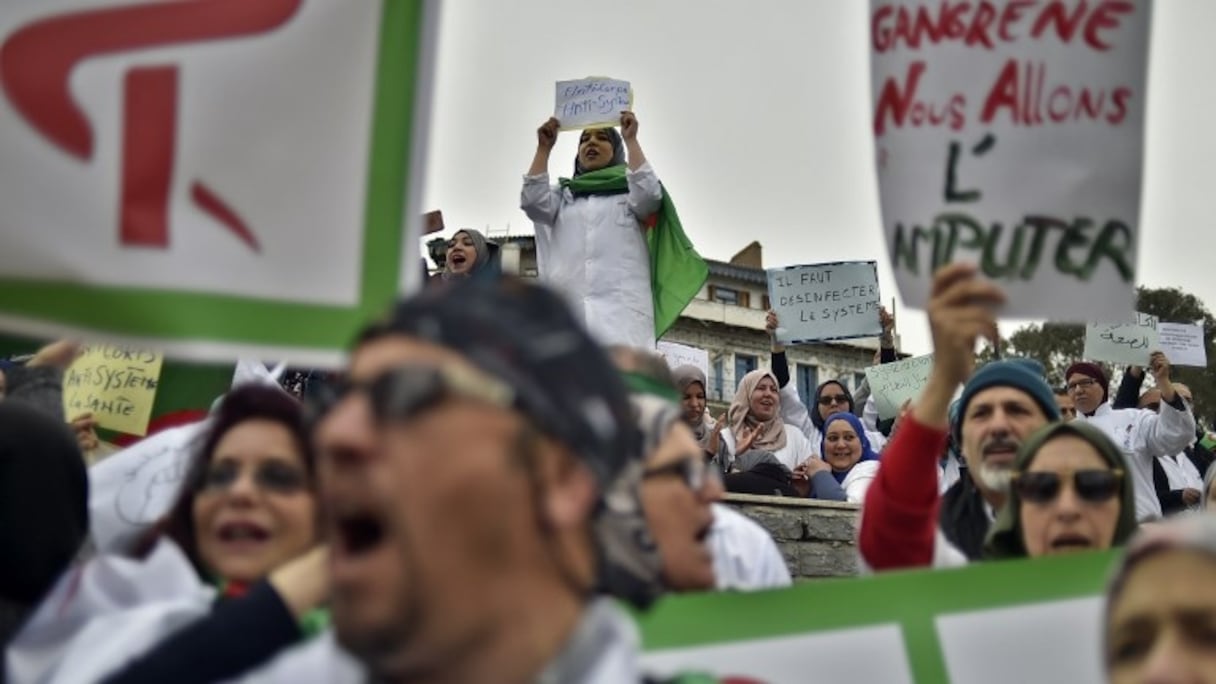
[(105, 613), (1142, 436), (860, 476), (593, 251), (745, 557)]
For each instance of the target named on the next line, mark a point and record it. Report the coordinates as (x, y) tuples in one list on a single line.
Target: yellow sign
[(116, 384)]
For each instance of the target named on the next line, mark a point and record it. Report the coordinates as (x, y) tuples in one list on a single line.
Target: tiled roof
[(722, 269)]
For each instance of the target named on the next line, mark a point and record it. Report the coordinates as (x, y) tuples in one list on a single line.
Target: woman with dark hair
[(228, 578)]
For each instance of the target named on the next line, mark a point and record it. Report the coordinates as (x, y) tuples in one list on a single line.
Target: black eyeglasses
[(410, 390), (270, 476), (1092, 485), (1085, 383), (828, 400), (695, 471)]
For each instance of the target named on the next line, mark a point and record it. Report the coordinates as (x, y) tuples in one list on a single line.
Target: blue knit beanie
[(1019, 373)]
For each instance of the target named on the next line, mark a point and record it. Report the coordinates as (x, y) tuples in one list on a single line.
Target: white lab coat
[(794, 412), (1142, 436), (858, 481), (745, 557), (593, 251), (103, 614)]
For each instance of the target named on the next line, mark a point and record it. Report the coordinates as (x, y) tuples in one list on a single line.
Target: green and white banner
[(1002, 622), (211, 178)]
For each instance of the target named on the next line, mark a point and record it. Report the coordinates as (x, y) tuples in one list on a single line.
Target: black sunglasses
[(1092, 485), (827, 400), (270, 476), (695, 471), (410, 390)]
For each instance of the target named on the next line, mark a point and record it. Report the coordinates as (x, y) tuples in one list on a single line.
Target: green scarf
[(677, 272)]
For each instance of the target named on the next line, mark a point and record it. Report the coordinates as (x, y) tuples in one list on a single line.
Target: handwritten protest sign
[(591, 102), (116, 384), (820, 302), (1128, 341), (138, 204), (683, 355), (1012, 138), (1183, 344), (133, 488), (894, 383)]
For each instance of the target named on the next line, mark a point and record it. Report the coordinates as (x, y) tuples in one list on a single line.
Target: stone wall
[(817, 538)]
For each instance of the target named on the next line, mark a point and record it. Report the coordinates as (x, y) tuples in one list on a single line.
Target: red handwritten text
[(984, 24)]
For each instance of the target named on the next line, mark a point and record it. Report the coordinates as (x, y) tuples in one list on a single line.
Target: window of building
[(744, 364), (718, 380), (768, 303), (728, 295), (808, 380)]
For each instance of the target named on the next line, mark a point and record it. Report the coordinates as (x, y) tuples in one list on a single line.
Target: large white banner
[(1010, 135), (210, 175)]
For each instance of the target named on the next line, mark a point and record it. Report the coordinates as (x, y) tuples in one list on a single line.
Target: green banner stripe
[(913, 599), (392, 147), (158, 313)]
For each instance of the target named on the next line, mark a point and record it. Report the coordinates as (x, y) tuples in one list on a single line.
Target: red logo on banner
[(37, 60)]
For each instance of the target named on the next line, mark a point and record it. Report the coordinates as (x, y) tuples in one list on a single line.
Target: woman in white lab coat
[(590, 230)]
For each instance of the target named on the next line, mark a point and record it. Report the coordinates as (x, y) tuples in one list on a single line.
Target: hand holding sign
[(59, 354), (629, 126), (961, 311), (546, 135)]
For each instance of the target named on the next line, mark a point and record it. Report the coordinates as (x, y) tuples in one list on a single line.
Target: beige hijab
[(772, 432), (685, 376)]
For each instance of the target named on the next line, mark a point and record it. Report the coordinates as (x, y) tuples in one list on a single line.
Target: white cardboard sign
[(1128, 342), (683, 355), (139, 204), (132, 489), (822, 302), (1012, 138), (892, 384), (1183, 344), (591, 102)]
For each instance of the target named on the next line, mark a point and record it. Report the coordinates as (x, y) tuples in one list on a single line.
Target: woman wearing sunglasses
[(1070, 492), (228, 578)]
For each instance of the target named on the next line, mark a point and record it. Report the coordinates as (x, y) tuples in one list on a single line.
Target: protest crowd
[(505, 473), (492, 433)]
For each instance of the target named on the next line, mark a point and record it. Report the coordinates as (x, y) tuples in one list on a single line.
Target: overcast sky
[(787, 159)]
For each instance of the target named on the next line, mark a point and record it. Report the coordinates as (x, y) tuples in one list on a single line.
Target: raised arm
[(899, 524), (645, 192), (538, 199), (1172, 428), (1129, 388)]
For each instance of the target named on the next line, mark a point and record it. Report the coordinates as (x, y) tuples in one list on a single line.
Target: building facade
[(727, 320)]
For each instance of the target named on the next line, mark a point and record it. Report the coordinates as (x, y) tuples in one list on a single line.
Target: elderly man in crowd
[(1002, 403), (1141, 435)]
